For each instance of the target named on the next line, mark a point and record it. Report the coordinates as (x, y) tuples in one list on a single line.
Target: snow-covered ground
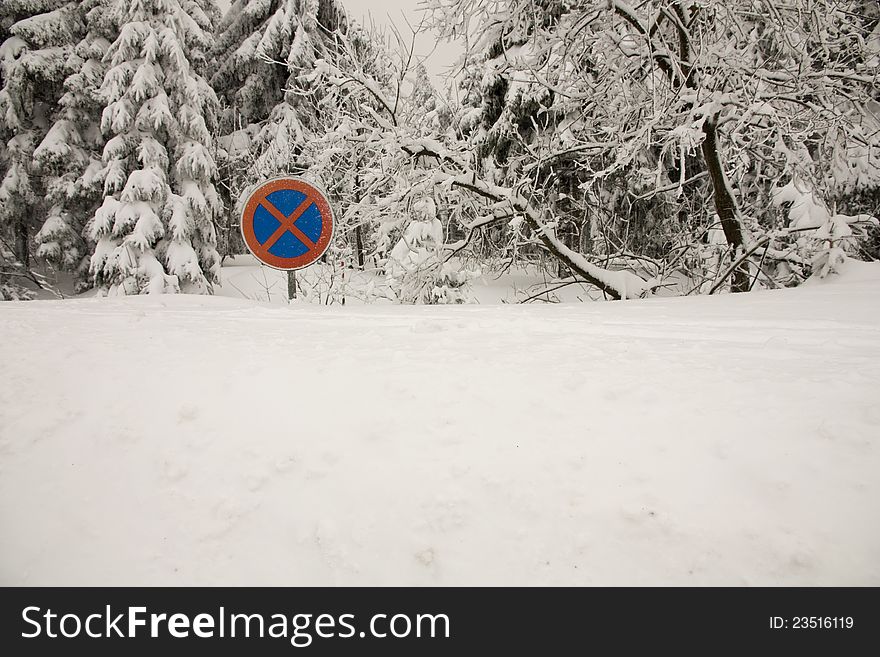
[(188, 440)]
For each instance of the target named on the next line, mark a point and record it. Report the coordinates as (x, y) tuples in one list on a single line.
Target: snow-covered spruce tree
[(155, 230), (262, 50), (298, 34), (248, 85), (676, 115), (69, 156), (39, 35)]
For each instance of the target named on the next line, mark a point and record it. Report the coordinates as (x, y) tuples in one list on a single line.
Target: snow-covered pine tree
[(248, 85), (69, 156), (39, 35), (298, 33), (155, 230), (262, 50)]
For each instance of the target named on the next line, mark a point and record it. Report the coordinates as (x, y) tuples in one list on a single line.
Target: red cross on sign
[(287, 223)]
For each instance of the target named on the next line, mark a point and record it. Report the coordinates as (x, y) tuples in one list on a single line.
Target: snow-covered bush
[(818, 236), (417, 268)]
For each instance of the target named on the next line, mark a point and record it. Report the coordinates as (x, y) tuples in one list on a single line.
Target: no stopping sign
[(287, 223)]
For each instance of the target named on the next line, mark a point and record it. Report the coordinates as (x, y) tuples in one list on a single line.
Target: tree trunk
[(359, 246), (358, 235), (567, 236), (725, 205), (21, 241)]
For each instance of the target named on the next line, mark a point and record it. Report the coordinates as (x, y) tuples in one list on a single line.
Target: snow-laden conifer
[(154, 231), (263, 50), (69, 156), (37, 36)]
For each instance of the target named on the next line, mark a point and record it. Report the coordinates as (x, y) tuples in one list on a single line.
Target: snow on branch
[(617, 284)]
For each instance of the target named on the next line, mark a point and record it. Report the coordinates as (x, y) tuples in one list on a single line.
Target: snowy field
[(182, 440)]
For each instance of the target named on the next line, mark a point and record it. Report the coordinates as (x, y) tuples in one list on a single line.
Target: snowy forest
[(669, 147)]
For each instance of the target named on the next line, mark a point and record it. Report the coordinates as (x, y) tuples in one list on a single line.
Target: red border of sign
[(312, 192)]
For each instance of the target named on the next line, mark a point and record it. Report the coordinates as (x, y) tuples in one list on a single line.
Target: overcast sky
[(440, 55)]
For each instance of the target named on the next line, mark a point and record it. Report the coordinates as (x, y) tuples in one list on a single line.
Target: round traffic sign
[(287, 223)]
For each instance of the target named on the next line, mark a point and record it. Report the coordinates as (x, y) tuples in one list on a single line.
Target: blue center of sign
[(288, 245)]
